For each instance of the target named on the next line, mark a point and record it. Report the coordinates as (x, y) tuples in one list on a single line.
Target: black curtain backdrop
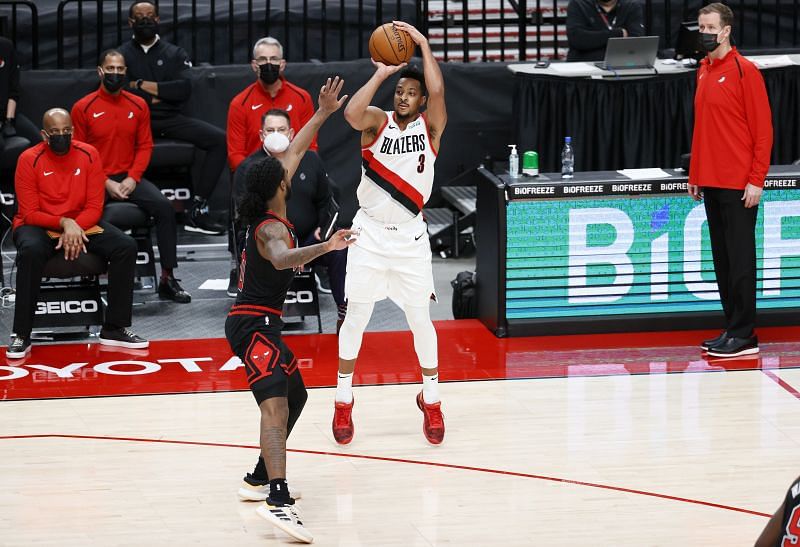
[(619, 124)]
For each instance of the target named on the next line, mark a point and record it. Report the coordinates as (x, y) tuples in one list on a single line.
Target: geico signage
[(299, 297), (66, 306), (142, 258), (177, 194), (72, 371)]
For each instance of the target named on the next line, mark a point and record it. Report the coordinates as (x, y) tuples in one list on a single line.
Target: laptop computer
[(636, 53)]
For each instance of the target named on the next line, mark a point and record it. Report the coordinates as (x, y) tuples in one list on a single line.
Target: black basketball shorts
[(268, 361)]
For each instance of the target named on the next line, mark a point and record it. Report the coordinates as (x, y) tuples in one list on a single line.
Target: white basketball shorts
[(389, 260)]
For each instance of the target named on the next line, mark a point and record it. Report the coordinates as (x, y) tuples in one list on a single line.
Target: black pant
[(733, 245), (35, 248), (204, 136), (149, 197)]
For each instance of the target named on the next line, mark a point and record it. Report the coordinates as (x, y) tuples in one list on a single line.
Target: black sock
[(279, 492), (260, 471)]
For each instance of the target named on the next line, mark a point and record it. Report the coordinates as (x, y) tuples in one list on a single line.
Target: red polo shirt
[(732, 139), (249, 106), (50, 187), (119, 127)]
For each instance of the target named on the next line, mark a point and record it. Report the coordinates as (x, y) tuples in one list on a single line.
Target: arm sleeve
[(144, 146), (759, 121), (95, 194), (78, 123), (13, 79), (235, 136), (635, 21), (579, 34), (27, 189), (178, 89)]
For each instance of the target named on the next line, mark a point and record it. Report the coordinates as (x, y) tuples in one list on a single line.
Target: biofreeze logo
[(63, 307)]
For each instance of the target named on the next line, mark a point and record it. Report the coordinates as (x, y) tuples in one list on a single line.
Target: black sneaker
[(123, 338), (198, 219), (19, 347), (734, 347), (171, 290), (233, 283), (706, 345)]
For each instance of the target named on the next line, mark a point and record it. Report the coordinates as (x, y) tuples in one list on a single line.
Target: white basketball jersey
[(397, 171)]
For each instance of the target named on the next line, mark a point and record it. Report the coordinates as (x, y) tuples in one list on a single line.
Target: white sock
[(344, 388), (430, 389)]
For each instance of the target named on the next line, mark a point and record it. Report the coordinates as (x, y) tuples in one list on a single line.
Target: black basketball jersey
[(261, 285), (790, 526)]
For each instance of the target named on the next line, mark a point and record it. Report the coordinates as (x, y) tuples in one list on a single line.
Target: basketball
[(390, 45)]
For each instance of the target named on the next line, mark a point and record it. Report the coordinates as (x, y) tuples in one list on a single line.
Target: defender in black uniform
[(253, 328), (783, 529)]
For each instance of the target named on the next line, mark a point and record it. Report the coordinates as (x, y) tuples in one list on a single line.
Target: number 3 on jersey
[(792, 535), (421, 165)]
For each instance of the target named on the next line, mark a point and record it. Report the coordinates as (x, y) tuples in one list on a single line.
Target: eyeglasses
[(272, 60), (115, 70)]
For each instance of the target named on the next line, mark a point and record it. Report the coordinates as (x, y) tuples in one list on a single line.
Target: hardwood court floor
[(614, 451)]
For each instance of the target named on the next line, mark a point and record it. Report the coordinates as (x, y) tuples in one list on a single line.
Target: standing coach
[(731, 149)]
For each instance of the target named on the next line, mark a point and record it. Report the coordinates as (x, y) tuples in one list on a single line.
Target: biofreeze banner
[(637, 255)]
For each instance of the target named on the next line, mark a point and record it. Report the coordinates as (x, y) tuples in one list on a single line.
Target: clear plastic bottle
[(567, 159), (513, 162)]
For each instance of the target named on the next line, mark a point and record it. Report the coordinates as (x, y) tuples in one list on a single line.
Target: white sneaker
[(287, 519), (253, 492)]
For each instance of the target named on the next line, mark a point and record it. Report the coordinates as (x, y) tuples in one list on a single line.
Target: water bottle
[(567, 159), (513, 162)]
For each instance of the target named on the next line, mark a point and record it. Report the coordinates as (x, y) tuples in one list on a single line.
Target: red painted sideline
[(401, 460), (781, 382)]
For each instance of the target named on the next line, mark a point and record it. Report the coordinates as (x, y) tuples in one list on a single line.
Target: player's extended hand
[(384, 71), (340, 240), (416, 35), (329, 100), (752, 195), (694, 191)]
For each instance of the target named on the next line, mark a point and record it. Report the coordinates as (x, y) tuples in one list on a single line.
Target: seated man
[(309, 206), (590, 23), (270, 90), (157, 71), (117, 123), (60, 185)]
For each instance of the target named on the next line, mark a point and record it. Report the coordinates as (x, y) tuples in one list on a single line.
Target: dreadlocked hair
[(263, 180)]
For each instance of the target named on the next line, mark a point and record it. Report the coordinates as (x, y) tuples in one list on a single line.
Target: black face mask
[(709, 41), (113, 82), (269, 73), (144, 30), (59, 144)]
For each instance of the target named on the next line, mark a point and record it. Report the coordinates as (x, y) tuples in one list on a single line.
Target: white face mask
[(275, 143)]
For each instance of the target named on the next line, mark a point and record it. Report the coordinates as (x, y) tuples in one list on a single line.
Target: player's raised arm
[(436, 111), (329, 102), (358, 113)]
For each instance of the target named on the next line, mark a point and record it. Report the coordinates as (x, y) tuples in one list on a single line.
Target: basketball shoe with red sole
[(433, 425), (343, 422)]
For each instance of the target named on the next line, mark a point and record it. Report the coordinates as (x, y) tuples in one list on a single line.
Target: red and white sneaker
[(343, 422), (433, 425)]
